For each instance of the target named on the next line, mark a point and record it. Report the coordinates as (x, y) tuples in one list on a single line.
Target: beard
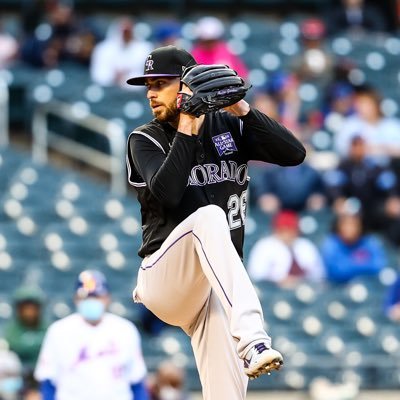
[(168, 113)]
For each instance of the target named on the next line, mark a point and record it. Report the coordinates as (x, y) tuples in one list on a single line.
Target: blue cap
[(91, 283), (278, 81), (340, 90), (166, 30)]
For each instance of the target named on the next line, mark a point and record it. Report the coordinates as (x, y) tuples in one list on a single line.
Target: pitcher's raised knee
[(212, 214)]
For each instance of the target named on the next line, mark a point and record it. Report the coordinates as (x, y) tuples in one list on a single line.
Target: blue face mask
[(91, 309), (11, 385)]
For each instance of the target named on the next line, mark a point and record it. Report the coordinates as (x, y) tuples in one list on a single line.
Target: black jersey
[(175, 174)]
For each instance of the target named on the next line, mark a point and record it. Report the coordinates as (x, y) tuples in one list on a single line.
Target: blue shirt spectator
[(348, 253), (306, 189), (355, 16), (392, 302)]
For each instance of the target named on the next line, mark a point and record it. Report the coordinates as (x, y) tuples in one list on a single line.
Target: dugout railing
[(4, 113), (112, 162)]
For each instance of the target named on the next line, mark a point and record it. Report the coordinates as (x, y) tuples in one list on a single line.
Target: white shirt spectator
[(119, 57), (384, 136), (271, 259), (97, 362), (8, 49)]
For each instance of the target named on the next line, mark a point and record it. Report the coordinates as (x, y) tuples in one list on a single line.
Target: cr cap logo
[(149, 64)]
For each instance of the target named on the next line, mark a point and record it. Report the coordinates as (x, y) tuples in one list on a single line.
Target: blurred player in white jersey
[(92, 354)]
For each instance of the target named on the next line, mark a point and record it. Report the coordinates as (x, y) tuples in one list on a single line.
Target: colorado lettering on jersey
[(207, 174)]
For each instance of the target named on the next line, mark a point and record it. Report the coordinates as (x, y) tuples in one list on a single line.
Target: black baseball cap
[(167, 61)]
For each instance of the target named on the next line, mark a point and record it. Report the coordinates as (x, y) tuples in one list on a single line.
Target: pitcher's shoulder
[(151, 127)]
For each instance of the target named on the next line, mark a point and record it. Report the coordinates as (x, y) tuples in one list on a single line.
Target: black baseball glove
[(214, 87)]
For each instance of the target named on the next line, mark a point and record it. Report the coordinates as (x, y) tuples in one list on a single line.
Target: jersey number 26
[(237, 210)]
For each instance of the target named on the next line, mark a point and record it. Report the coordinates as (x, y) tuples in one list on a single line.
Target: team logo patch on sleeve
[(224, 143)]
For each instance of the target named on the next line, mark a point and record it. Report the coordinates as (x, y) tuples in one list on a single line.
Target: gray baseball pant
[(197, 281)]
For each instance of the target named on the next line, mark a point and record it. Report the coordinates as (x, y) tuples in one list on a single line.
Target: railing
[(4, 108), (44, 138)]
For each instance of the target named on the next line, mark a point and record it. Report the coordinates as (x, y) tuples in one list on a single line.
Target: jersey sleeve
[(166, 175), (46, 367), (138, 368), (267, 140)]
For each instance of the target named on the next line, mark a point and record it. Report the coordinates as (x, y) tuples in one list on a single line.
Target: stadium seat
[(11, 278)]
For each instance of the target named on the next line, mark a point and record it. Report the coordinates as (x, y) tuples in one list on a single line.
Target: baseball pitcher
[(189, 168)]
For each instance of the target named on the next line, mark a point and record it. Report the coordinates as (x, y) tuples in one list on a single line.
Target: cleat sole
[(274, 365)]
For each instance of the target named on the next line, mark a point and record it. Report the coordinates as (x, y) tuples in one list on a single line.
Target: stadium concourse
[(56, 221)]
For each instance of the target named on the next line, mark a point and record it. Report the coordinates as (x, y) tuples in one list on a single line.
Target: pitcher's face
[(161, 93)]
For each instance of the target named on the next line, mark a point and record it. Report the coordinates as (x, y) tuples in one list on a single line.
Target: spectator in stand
[(392, 301), (119, 56), (373, 186), (31, 393), (280, 100), (32, 12), (382, 134), (212, 49), (264, 102), (25, 332), (58, 38), (355, 16), (348, 252), (307, 191), (390, 10), (168, 33), (315, 63), (8, 48), (92, 354), (283, 88), (167, 383), (11, 381), (339, 106), (284, 257)]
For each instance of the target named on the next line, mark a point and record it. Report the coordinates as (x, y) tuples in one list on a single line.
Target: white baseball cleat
[(261, 360)]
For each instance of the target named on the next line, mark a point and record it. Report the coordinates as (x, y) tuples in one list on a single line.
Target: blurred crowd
[(360, 190), (51, 32), (91, 353)]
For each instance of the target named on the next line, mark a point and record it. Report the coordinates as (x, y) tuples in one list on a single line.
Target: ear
[(76, 300), (107, 300)]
